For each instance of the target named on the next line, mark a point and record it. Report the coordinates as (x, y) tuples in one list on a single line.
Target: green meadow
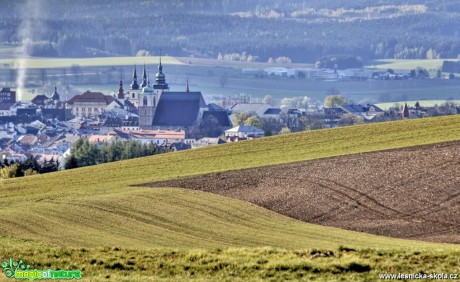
[(408, 64), (94, 220)]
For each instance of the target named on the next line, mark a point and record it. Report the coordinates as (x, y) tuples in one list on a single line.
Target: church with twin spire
[(160, 108)]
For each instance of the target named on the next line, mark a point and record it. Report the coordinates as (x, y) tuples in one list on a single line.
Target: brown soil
[(407, 193)]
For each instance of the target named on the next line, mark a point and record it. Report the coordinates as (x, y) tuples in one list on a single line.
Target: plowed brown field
[(407, 193)]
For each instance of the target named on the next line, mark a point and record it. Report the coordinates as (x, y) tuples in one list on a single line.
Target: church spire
[(55, 96), (405, 112), (160, 67), (187, 89), (160, 78), (121, 95), (134, 85), (144, 78)]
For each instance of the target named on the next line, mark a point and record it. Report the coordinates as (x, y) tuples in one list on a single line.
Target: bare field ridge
[(409, 193)]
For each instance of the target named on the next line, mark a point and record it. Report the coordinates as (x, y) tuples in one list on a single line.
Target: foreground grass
[(235, 264), (96, 207)]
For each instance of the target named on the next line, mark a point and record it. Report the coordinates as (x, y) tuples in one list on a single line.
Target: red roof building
[(89, 104)]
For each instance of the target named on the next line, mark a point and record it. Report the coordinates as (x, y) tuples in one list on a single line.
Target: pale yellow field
[(86, 62)]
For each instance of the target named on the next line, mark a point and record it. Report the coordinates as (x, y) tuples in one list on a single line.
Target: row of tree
[(285, 124), (451, 66), (117, 31), (340, 62), (11, 169), (257, 8), (270, 126), (84, 153)]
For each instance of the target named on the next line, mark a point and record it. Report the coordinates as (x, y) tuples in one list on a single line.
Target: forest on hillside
[(302, 31)]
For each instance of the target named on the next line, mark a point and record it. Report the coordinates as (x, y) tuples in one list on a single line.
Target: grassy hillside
[(96, 206), (99, 199)]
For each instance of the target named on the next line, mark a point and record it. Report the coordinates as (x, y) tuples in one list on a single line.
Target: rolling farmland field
[(95, 219)]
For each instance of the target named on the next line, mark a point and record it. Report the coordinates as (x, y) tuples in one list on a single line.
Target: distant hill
[(301, 30)]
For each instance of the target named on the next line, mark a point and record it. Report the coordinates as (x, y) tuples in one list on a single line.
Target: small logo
[(21, 271), (10, 267)]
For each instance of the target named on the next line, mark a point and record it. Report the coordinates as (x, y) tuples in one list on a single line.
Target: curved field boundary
[(411, 193), (98, 206)]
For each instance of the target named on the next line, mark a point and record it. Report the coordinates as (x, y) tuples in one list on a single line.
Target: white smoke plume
[(28, 29)]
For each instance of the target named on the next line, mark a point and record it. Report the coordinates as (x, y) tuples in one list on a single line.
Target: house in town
[(243, 132), (89, 104), (159, 137)]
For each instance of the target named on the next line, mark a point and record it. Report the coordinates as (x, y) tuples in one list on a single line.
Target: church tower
[(133, 93), (121, 94), (160, 81), (405, 111), (134, 85), (144, 78), (149, 98), (55, 96), (147, 106)]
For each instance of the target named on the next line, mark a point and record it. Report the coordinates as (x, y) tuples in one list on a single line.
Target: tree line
[(181, 27), (83, 153), (30, 166), (450, 66)]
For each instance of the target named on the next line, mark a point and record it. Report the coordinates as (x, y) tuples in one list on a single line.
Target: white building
[(158, 137), (89, 104), (276, 71), (243, 132)]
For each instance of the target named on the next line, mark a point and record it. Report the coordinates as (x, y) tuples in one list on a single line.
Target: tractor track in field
[(406, 193)]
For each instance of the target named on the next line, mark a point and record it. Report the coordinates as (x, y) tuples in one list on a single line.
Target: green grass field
[(407, 65), (92, 219)]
